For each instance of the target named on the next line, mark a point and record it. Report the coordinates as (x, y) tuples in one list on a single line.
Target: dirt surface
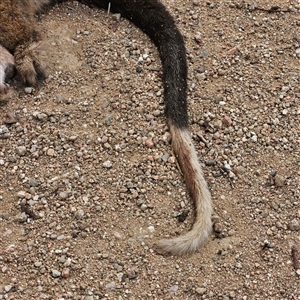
[(88, 181)]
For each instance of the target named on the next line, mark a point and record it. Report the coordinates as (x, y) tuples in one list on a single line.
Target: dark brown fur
[(19, 34)]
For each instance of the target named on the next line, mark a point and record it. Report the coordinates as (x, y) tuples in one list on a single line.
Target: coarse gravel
[(88, 180)]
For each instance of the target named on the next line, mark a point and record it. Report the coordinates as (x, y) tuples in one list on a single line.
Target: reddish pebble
[(50, 152), (232, 51), (171, 159), (149, 143), (65, 273), (227, 121)]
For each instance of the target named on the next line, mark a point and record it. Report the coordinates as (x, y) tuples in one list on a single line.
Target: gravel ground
[(88, 180)]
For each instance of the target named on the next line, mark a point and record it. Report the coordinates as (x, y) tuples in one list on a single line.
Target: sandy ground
[(88, 181)]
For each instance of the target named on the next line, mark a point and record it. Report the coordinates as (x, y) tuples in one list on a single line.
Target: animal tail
[(152, 17)]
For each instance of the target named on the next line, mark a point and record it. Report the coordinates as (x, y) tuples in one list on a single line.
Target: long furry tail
[(196, 184), (152, 17)]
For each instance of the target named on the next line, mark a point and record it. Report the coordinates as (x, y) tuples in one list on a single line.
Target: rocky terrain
[(88, 180)]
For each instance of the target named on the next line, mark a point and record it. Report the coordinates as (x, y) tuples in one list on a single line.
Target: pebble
[(111, 286), (32, 182), (239, 170), (173, 289), (21, 150), (107, 164), (151, 229), (139, 69), (149, 143), (29, 90), (7, 288), (79, 214), (218, 228), (144, 206), (65, 273), (294, 225), (131, 273), (200, 291), (50, 152), (63, 195), (22, 217), (279, 181), (55, 273), (210, 163)]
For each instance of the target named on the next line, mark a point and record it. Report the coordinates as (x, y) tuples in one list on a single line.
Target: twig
[(108, 9), (272, 9), (295, 257)]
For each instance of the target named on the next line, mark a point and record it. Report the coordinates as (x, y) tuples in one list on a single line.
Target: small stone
[(111, 286), (117, 235), (227, 166), (279, 180), (107, 164), (21, 194), (32, 182), (55, 273), (144, 206), (227, 121), (217, 135), (218, 228), (151, 229), (108, 119), (63, 195), (139, 202), (21, 150), (117, 17), (173, 289), (200, 291), (171, 159), (165, 157), (65, 273), (29, 90), (7, 288), (239, 170), (72, 138), (254, 138), (22, 217), (232, 51), (231, 174), (210, 163), (149, 143), (294, 225), (50, 152), (131, 274), (79, 214), (221, 72)]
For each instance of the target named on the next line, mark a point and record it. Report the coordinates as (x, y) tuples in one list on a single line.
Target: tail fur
[(152, 17), (196, 184)]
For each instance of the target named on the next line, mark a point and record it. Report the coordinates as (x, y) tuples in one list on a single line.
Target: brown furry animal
[(20, 35)]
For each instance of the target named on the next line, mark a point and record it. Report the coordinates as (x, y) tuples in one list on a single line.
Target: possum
[(20, 35)]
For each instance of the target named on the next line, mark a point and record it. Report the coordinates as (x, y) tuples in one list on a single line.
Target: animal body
[(20, 35)]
